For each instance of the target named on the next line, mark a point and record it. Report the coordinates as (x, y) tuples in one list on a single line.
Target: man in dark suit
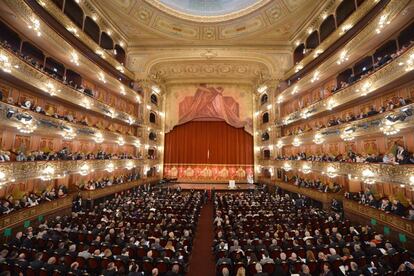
[(37, 262)]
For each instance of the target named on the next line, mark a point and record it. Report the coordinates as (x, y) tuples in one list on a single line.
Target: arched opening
[(36, 56), (313, 40), (152, 136), (74, 12), (327, 27), (73, 78), (406, 36), (54, 68), (92, 29), (264, 99), (106, 41), (265, 136), (152, 118), (9, 37), (152, 153), (58, 3), (387, 49), (266, 154), (265, 118), (154, 99), (298, 54), (362, 67), (344, 10), (343, 77), (120, 54)]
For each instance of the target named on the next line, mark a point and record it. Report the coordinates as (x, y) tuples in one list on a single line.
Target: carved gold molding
[(356, 16), (50, 126), (392, 71), (386, 173), (353, 50), (21, 171), (398, 223), (53, 10), (40, 80)]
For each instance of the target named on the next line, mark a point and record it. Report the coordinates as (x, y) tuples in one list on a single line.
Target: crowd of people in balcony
[(29, 106), (10, 204), (140, 230), (379, 62), (396, 155), (109, 181), (52, 73), (391, 206), (316, 184), (259, 233), (64, 154), (390, 105)]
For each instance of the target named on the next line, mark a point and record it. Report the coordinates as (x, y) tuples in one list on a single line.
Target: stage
[(211, 186)]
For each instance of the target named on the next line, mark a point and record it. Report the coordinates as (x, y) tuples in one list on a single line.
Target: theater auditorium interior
[(207, 137)]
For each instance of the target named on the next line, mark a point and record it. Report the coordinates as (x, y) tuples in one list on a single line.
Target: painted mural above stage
[(209, 102), (208, 172)]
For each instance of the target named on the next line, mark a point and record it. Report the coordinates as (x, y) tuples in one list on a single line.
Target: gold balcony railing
[(398, 223), (19, 171), (397, 68), (21, 70), (356, 16), (47, 125), (98, 193), (368, 126), (399, 174), (353, 48)]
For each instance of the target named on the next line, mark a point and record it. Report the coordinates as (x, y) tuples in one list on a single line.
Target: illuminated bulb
[(318, 139), (306, 169), (68, 134), (279, 144), (85, 170), (368, 176), (262, 88), (5, 64), (269, 107), (295, 90), (389, 130), (296, 142), (342, 57), (331, 172), (98, 138), (287, 167), (47, 173), (74, 58), (122, 91), (101, 77), (148, 107), (315, 77), (347, 135), (129, 165), (412, 180), (331, 104), (156, 89), (121, 141), (35, 26), (110, 167)]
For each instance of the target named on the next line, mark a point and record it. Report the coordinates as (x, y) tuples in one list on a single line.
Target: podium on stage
[(232, 184)]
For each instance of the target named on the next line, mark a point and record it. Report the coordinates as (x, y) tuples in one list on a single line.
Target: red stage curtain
[(208, 142)]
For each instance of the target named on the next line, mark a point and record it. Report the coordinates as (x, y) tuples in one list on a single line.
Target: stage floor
[(212, 186)]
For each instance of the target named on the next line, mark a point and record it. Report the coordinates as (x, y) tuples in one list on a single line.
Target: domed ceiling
[(209, 7)]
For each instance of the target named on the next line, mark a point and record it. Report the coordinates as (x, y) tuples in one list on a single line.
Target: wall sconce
[(306, 169), (5, 64), (382, 22), (121, 141), (101, 77), (296, 142), (138, 99), (98, 138), (331, 172), (317, 53), (389, 130), (5, 179), (347, 135), (331, 104), (295, 90), (26, 126), (35, 26), (137, 144), (85, 170), (119, 68), (287, 167), (279, 99), (130, 120), (130, 165), (262, 88), (68, 134), (342, 57), (412, 180), (368, 176), (122, 90), (110, 167), (366, 87), (279, 144), (156, 89), (345, 28), (100, 53), (410, 63), (298, 68), (50, 88), (269, 106), (315, 77), (317, 139), (48, 173), (74, 58)]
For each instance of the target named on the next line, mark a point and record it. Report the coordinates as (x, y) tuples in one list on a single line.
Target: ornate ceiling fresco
[(175, 33)]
